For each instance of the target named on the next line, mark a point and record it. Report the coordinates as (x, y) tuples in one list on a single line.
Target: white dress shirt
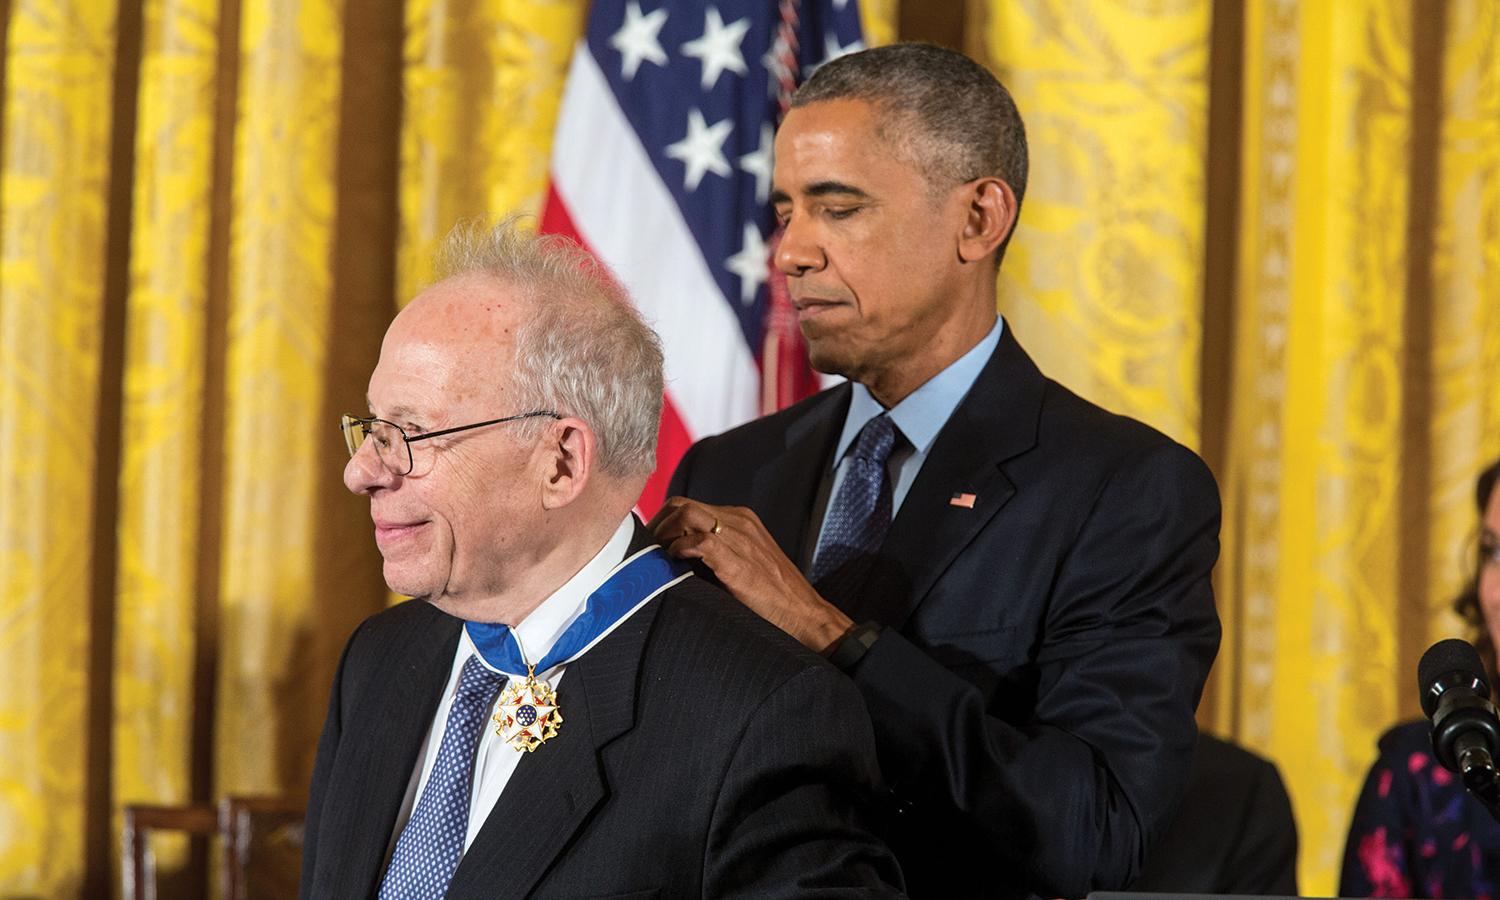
[(494, 761)]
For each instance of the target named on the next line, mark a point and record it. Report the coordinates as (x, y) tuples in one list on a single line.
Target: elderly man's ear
[(567, 456)]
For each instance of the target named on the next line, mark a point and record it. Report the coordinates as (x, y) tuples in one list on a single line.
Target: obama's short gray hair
[(942, 110)]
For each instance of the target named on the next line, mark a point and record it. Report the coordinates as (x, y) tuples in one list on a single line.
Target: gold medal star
[(528, 714)]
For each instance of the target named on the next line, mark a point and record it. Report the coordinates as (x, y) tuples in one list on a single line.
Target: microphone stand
[(1465, 733), (1480, 777)]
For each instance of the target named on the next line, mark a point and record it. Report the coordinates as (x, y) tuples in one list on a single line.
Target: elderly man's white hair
[(582, 349)]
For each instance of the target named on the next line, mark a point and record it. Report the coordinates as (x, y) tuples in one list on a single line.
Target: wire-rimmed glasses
[(393, 444)]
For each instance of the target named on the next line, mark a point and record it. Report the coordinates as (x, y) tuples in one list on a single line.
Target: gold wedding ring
[(717, 527)]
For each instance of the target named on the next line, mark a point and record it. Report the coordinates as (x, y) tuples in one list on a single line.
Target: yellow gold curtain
[(53, 218), (1321, 663), (280, 287), (1104, 279), (483, 81), (210, 208), (1362, 401), (1464, 397), (160, 475)]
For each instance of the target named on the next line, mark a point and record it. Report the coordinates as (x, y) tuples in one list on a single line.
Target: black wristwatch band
[(852, 647)]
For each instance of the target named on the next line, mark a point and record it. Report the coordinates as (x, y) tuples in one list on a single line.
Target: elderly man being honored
[(1016, 580), (562, 711)]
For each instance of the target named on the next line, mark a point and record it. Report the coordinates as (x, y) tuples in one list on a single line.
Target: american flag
[(662, 167)]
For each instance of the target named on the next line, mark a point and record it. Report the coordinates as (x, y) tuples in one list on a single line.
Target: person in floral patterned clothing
[(1416, 831)]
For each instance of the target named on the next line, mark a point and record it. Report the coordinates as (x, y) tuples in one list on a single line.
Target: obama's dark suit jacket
[(1033, 692), (703, 753)]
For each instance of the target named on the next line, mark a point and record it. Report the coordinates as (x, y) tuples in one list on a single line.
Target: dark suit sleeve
[(786, 822), (1073, 797)]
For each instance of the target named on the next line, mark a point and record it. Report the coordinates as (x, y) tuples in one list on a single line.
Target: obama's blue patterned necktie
[(859, 516), (431, 844)]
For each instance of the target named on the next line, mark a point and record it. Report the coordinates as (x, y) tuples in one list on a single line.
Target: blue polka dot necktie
[(431, 844), (859, 516)]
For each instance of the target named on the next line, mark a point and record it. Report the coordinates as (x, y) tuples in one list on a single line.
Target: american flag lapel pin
[(963, 500)]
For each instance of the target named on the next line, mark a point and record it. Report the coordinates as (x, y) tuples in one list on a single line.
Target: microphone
[(1465, 728)]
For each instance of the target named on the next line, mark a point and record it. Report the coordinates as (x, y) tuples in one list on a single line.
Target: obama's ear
[(990, 215)]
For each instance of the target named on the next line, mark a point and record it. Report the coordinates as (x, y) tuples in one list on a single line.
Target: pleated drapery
[(1270, 229)]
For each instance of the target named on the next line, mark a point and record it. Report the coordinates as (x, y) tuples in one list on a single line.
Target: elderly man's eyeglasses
[(393, 444)]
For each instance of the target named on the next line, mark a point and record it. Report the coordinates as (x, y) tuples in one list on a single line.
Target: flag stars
[(718, 49), (759, 163), (702, 150), (832, 50), (750, 264), (638, 41)]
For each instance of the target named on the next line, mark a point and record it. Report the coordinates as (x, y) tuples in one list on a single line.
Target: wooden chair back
[(263, 847), (260, 848), (142, 823)]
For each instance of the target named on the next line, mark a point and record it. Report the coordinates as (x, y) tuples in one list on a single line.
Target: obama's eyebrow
[(825, 188)]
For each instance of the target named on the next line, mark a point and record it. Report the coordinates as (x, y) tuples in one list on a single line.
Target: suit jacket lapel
[(786, 486), (555, 787), (996, 421), (380, 743)]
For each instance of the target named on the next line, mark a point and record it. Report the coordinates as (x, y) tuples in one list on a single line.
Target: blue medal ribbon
[(635, 581)]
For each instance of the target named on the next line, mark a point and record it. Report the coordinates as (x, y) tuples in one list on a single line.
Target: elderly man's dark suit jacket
[(1033, 692), (702, 753)]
